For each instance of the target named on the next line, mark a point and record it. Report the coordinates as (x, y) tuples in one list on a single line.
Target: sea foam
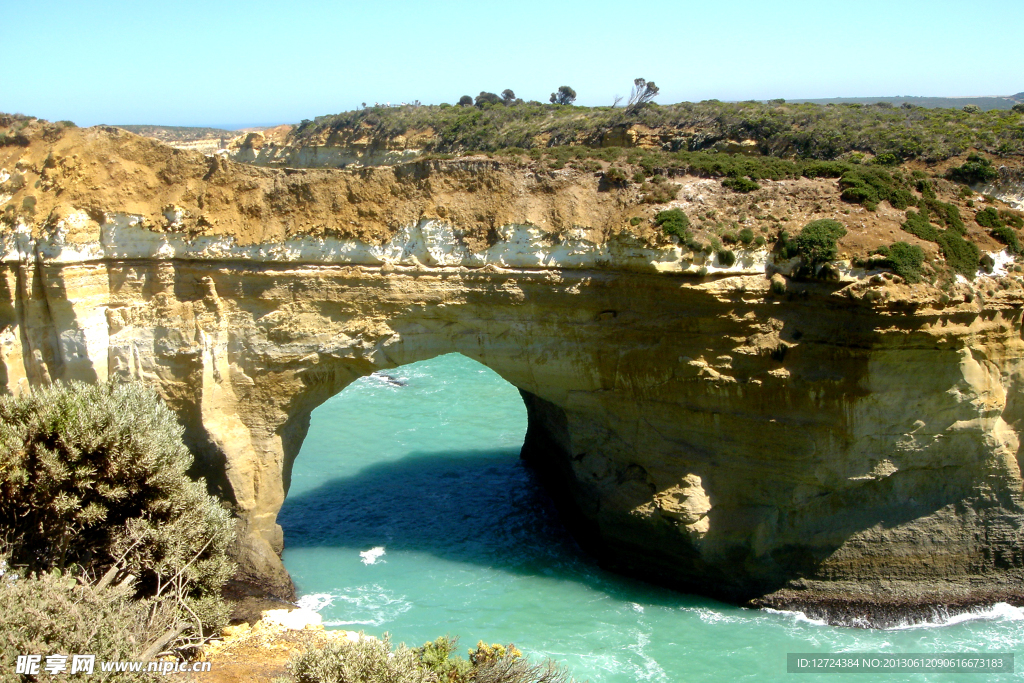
[(373, 555)]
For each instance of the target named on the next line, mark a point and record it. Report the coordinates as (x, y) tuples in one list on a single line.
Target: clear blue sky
[(234, 63)]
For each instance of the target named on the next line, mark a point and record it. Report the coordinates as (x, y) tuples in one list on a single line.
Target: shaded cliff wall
[(710, 435)]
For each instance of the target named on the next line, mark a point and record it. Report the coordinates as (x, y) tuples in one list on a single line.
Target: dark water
[(410, 512)]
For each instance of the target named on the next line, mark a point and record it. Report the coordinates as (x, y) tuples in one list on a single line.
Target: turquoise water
[(411, 513)]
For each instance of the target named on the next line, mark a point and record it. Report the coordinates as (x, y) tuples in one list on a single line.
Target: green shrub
[(917, 224), (367, 661), (373, 661), (53, 613), (926, 188), (1018, 108), (673, 222), (887, 159), (905, 259), (816, 242), (989, 218), (616, 176), (962, 256), (869, 186), (1012, 219), (93, 474), (744, 185), (948, 214), (726, 257), (746, 236), (636, 220), (438, 657), (1007, 236), (977, 170)]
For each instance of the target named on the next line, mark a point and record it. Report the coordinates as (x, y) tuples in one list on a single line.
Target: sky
[(233, 64)]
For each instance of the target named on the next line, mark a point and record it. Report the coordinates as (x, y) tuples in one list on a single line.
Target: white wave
[(636, 607), (386, 379), (370, 605), (797, 616), (710, 616), (372, 555), (1001, 611), (648, 668), (315, 601)]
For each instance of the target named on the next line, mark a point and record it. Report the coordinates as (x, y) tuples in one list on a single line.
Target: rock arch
[(681, 443)]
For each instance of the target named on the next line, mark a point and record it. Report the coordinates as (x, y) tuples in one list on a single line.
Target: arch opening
[(410, 510)]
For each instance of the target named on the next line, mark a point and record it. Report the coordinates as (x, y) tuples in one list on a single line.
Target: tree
[(465, 101), (972, 109), (507, 96), (616, 100), (643, 92), (1019, 108), (487, 98), (565, 95)]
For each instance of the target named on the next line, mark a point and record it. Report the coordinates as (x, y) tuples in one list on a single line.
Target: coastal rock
[(699, 428)]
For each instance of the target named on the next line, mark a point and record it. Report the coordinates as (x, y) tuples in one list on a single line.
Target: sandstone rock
[(706, 435)]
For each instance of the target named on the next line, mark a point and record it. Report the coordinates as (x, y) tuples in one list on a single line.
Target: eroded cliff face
[(714, 429)]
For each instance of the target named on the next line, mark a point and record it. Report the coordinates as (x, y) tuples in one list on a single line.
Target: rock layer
[(806, 442)]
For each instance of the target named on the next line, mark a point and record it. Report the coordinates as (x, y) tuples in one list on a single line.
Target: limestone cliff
[(856, 439)]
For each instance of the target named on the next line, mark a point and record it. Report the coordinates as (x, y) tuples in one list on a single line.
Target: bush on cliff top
[(977, 170), (869, 186), (53, 613), (816, 243), (744, 185), (93, 478), (673, 222), (962, 256), (374, 661), (905, 259)]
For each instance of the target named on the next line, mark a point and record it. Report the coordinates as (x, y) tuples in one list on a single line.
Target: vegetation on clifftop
[(777, 128), (375, 661)]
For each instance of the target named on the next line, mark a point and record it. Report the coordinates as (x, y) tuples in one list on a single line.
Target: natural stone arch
[(707, 435)]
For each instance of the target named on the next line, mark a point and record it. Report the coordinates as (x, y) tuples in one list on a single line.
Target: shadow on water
[(483, 508)]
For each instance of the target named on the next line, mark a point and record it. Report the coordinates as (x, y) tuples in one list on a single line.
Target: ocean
[(411, 513)]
